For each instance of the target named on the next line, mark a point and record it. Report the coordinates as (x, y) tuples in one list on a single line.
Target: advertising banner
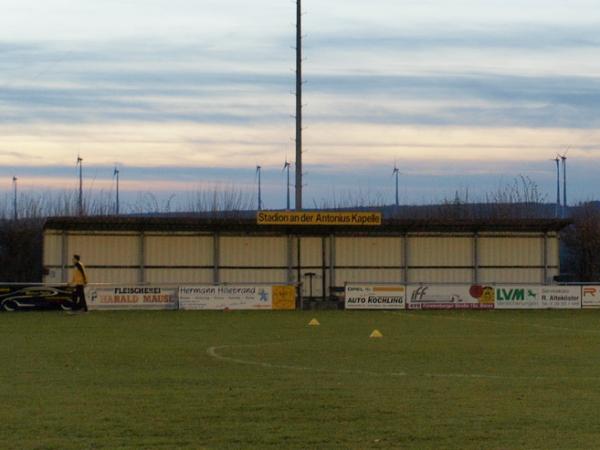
[(432, 296), (35, 297), (284, 298), (219, 297), (560, 297), (518, 297), (375, 297), (538, 297), (131, 297), (590, 296)]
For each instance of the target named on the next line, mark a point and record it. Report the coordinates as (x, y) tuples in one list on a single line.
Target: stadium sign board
[(517, 297), (220, 297), (315, 218), (538, 297), (560, 297), (131, 297), (284, 297), (15, 297), (375, 296), (590, 296), (425, 296)]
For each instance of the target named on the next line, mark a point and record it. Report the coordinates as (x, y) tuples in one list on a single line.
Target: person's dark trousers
[(79, 302)]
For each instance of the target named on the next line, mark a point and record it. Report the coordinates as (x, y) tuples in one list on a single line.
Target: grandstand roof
[(247, 223)]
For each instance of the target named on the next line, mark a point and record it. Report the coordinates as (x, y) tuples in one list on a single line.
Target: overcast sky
[(189, 94)]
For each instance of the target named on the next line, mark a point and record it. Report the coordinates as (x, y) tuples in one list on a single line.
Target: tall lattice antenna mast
[(298, 104)]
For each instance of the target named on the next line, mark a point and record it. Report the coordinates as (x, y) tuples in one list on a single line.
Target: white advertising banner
[(432, 296), (560, 297), (590, 296), (131, 297), (220, 297), (538, 297), (375, 297)]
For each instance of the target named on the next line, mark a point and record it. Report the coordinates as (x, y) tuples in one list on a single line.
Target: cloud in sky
[(469, 91)]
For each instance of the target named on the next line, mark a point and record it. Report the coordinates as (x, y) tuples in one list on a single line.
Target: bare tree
[(581, 242), (351, 200), (219, 200), (520, 199)]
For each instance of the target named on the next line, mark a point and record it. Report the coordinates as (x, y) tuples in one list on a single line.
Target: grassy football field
[(239, 380)]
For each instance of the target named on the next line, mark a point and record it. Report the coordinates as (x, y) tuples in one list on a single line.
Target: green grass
[(475, 379)]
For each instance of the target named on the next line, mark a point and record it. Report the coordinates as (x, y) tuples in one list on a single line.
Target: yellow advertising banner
[(284, 298), (318, 218)]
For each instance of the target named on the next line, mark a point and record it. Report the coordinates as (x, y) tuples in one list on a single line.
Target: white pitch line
[(213, 353)]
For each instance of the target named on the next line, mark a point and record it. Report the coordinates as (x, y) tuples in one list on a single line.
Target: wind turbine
[(15, 214), (397, 173), (287, 166), (116, 176), (80, 203), (557, 208), (563, 157), (258, 169)]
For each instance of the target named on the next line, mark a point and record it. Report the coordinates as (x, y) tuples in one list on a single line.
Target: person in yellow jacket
[(78, 281)]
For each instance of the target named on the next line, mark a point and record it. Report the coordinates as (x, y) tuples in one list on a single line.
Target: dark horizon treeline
[(516, 198), (31, 205)]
